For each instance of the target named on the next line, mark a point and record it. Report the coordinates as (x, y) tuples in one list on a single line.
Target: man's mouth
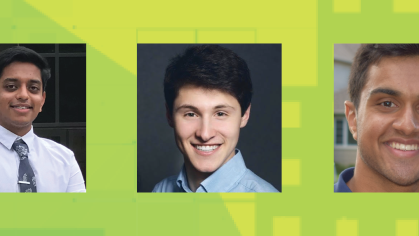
[(206, 148), (21, 107), (403, 147)]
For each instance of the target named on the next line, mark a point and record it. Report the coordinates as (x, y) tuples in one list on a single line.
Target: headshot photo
[(209, 118), (42, 117), (376, 117)]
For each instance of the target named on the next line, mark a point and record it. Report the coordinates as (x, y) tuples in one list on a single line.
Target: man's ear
[(245, 117), (44, 95), (169, 116), (350, 113)]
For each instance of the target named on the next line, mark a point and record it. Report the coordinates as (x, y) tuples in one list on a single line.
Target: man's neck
[(366, 179), (19, 131), (194, 177)]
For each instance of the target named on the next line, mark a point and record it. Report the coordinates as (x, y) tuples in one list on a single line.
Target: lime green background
[(307, 30)]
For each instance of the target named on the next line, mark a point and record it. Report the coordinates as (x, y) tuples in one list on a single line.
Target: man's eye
[(34, 88), (190, 114), (221, 114), (388, 104), (11, 86)]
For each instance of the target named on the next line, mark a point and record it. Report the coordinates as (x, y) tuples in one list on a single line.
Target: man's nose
[(22, 93), (407, 123), (206, 130)]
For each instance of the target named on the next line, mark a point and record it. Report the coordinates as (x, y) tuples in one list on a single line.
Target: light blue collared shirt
[(233, 176)]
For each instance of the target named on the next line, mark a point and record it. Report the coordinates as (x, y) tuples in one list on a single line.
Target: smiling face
[(21, 96), (207, 126), (386, 124)]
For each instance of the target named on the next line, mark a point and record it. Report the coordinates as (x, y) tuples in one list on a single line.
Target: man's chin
[(403, 179), (21, 124), (206, 169), (17, 126)]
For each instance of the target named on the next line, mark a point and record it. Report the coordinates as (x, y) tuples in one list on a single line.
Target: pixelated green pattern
[(407, 228), (345, 227), (404, 6), (340, 6), (289, 226), (52, 232)]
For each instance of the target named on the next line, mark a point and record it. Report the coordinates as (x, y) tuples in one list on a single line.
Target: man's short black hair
[(369, 54), (209, 67), (23, 54)]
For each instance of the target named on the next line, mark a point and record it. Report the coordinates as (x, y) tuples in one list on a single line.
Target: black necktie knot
[(21, 148)]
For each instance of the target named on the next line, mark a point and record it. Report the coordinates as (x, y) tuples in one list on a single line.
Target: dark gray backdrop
[(260, 141)]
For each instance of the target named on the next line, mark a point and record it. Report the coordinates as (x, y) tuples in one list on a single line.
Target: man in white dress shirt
[(51, 167)]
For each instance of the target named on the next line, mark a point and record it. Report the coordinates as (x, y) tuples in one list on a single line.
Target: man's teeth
[(207, 148), (404, 147), (22, 107)]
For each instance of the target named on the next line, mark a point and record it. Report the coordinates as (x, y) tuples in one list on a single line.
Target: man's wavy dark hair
[(209, 67), (23, 54), (369, 54)]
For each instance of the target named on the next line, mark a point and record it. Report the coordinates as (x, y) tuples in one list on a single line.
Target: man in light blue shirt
[(231, 177), (208, 94)]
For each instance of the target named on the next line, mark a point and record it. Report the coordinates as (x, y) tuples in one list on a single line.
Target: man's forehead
[(399, 74), (19, 66), (17, 70), (389, 66), (198, 96)]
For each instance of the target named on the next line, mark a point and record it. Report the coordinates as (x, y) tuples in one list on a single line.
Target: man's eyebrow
[(16, 80), (10, 80), (386, 91), (35, 81), (186, 106), (224, 106)]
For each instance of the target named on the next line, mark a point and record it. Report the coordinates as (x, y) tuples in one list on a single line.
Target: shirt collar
[(223, 179), (344, 177), (7, 138), (182, 180)]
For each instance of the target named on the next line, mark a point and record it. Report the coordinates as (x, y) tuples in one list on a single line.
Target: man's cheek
[(184, 131), (227, 128)]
